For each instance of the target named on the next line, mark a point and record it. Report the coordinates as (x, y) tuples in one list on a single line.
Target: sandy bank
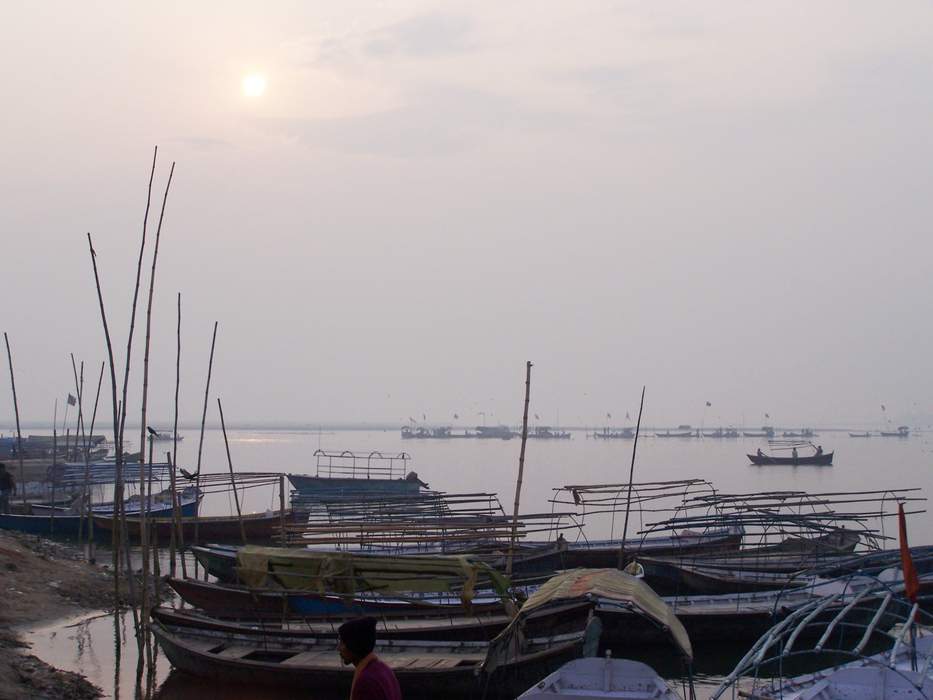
[(42, 581)]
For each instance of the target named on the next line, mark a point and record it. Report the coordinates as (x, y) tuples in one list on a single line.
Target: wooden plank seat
[(235, 652), (315, 659)]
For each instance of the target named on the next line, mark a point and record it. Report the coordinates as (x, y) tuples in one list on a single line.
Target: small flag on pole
[(72, 400), (627, 416), (456, 417), (883, 408), (767, 416), (609, 416), (536, 417), (708, 404)]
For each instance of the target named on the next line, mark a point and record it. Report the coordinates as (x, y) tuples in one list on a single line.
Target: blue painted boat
[(324, 486), (69, 526), (349, 474)]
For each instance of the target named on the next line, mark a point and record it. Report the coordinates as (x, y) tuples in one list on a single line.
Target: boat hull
[(70, 526), (423, 671), (330, 487), (239, 601), (823, 460), (259, 527)]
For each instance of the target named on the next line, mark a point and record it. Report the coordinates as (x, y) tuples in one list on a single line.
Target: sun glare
[(254, 85)]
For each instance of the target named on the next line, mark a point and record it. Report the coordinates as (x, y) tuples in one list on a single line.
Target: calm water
[(490, 465)]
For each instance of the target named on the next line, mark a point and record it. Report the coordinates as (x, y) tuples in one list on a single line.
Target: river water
[(93, 645)]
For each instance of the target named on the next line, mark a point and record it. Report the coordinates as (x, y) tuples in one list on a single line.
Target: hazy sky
[(726, 201)]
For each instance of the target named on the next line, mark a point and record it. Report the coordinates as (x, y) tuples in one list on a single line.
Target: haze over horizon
[(390, 207)]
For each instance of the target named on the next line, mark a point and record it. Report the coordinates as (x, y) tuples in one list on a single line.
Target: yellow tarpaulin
[(349, 574)]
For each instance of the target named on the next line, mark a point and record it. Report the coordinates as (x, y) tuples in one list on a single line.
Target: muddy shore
[(43, 581)]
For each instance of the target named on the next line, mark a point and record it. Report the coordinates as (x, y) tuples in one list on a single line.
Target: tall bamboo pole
[(87, 469), (119, 516), (236, 497), (521, 470), (79, 388), (143, 513), (631, 477), (19, 435), (197, 473), (129, 346)]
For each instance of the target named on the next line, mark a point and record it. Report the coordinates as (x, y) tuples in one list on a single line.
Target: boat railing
[(849, 623), (357, 465)]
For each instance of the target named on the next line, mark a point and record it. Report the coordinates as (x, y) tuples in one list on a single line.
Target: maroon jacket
[(373, 680)]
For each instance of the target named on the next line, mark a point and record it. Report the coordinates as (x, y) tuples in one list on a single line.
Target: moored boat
[(349, 474), (258, 527), (824, 459), (54, 522), (424, 669), (590, 678)]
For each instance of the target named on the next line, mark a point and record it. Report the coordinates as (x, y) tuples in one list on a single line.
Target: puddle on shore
[(103, 648)]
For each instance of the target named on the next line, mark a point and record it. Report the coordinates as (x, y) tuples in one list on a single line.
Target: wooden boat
[(906, 673), (679, 578), (669, 434), (549, 630), (607, 434), (829, 555), (424, 669), (259, 527), (350, 474), (902, 431), (463, 627), (544, 432), (860, 435), (230, 600), (70, 526), (587, 679), (596, 554), (822, 459), (878, 646), (545, 558)]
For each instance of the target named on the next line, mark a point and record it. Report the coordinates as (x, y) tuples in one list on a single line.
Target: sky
[(726, 202)]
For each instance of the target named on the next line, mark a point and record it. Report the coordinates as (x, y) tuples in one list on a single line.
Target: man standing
[(372, 679), (6, 488)]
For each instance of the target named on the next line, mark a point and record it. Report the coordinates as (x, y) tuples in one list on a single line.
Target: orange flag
[(911, 582)]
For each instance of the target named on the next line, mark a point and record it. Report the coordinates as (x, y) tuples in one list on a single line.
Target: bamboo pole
[(54, 450), (521, 470), (19, 435), (79, 388), (178, 540), (143, 511), (631, 476), (236, 497), (87, 466), (117, 410), (197, 473), (174, 537), (118, 500), (282, 506)]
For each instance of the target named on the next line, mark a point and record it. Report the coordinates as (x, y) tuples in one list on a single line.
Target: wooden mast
[(521, 470)]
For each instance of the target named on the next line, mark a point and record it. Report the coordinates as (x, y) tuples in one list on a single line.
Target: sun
[(254, 85)]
